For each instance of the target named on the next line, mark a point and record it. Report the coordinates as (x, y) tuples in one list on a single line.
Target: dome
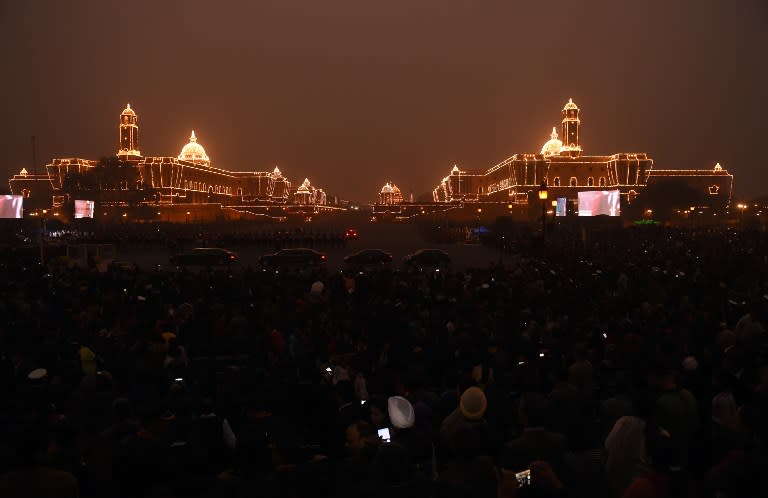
[(553, 146), (570, 105), (386, 189), (395, 190), (194, 152), (304, 187), (276, 172), (128, 111)]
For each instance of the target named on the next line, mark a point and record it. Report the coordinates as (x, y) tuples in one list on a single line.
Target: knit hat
[(400, 412), (37, 374), (690, 363), (473, 403)]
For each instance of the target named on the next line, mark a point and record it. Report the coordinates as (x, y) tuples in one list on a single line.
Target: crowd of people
[(630, 364)]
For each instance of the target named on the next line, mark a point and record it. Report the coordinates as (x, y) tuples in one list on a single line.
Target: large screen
[(11, 206), (562, 206), (597, 202), (84, 209)]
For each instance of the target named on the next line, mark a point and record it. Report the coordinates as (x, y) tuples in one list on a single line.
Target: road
[(399, 239)]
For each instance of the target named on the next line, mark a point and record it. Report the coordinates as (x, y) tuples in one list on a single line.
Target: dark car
[(351, 234), (205, 256), (123, 265), (368, 259), (427, 259), (294, 258)]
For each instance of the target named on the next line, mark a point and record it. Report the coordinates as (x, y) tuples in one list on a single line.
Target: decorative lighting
[(543, 191)]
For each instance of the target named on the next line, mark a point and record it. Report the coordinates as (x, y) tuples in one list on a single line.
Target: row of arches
[(203, 187), (574, 182)]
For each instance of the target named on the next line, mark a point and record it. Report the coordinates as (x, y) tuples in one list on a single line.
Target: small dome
[(194, 152), (553, 146), (386, 189), (455, 169), (570, 105), (396, 190), (128, 111), (276, 172), (718, 167)]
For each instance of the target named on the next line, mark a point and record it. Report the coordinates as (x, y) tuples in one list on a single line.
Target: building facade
[(566, 170), (129, 177)]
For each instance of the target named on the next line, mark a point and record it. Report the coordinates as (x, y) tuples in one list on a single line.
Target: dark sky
[(352, 93)]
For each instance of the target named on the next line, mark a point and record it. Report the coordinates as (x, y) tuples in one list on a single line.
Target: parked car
[(205, 256), (351, 234), (294, 258), (123, 265), (368, 259), (424, 259)]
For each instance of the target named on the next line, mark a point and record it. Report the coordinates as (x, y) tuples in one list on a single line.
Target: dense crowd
[(630, 363)]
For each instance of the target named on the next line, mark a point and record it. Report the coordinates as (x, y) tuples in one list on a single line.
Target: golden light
[(188, 212), (479, 210), (158, 213), (45, 211), (509, 206), (125, 215), (554, 203), (543, 192)]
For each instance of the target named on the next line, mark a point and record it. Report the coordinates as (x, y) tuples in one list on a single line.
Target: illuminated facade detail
[(303, 194), (193, 152), (23, 172), (129, 134), (553, 146), (517, 177), (570, 126), (390, 194)]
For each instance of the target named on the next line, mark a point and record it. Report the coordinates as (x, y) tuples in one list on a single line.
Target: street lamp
[(543, 194), (741, 207)]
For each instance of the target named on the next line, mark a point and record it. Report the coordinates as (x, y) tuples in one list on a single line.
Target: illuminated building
[(566, 170), (390, 194), (131, 179)]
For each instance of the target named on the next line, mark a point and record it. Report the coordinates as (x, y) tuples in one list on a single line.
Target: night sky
[(353, 93)]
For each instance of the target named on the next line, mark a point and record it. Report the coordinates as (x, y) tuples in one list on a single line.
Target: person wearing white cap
[(403, 418), (401, 412)]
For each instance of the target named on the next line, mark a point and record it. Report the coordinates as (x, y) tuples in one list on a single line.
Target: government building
[(565, 169), (187, 181)]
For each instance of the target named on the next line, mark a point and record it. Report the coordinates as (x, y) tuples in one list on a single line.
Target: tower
[(570, 130), (129, 134)]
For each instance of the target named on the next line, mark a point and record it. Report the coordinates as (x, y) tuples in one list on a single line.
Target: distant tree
[(665, 196)]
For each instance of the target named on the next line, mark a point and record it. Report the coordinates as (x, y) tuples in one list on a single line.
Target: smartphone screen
[(523, 478), (384, 434)]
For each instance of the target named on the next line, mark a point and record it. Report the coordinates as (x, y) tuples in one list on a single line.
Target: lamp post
[(543, 194), (741, 207)]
